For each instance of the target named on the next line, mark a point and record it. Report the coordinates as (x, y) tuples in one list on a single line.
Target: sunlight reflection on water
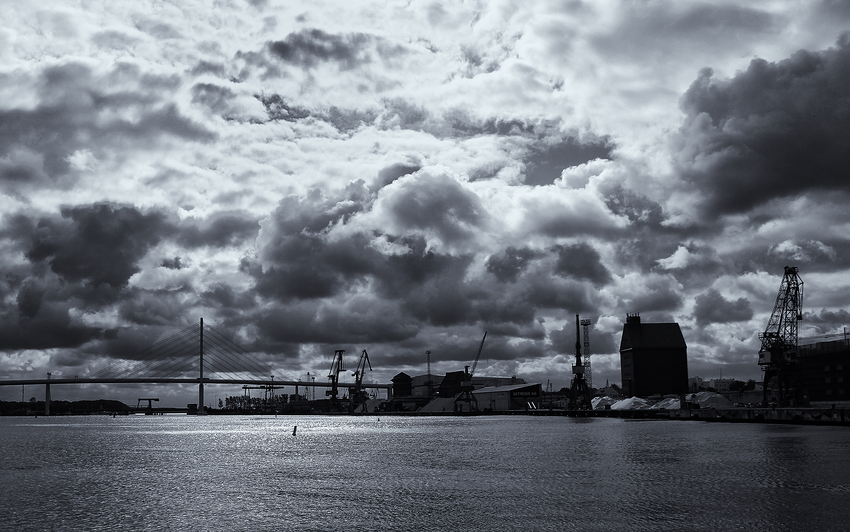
[(418, 473)]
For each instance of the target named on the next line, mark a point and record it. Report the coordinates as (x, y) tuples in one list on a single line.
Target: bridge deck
[(19, 382)]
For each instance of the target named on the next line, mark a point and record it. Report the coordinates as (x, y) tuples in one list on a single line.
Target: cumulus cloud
[(711, 307), (771, 131), (307, 182)]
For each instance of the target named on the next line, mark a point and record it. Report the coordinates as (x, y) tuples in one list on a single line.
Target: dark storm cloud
[(827, 320), (693, 24), (647, 239), (302, 263), (711, 307), (349, 120), (564, 340), (581, 261), (232, 303), (51, 327), (173, 264), (435, 203), (773, 131), (390, 173), (402, 113), (222, 229), (444, 300), (544, 165), (154, 28), (40, 317), (543, 291), (207, 67), (216, 98), (155, 307), (308, 267), (77, 111), (97, 244), (399, 274), (278, 109), (655, 294), (283, 327), (115, 40), (511, 262), (308, 48)]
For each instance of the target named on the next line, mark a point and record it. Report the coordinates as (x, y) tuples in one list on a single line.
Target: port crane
[(579, 391), (356, 392), (466, 395), (585, 333), (337, 366), (150, 400), (778, 353)]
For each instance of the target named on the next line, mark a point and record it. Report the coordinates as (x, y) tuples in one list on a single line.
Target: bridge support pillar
[(201, 376), (47, 398)]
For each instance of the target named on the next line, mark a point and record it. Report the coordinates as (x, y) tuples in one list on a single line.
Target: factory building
[(824, 371), (420, 386), (653, 358), (505, 398)]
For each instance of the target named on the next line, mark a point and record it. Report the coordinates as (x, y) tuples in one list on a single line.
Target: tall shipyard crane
[(337, 366), (778, 353), (356, 393), (585, 333), (579, 391), (466, 396)]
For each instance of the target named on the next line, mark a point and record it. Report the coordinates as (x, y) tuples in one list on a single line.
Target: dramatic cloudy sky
[(403, 176)]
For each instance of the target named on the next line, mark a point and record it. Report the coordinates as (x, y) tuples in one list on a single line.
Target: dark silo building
[(653, 358)]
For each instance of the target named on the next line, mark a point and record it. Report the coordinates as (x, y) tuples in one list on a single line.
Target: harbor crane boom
[(466, 395), (477, 355), (355, 392), (337, 366), (778, 353)]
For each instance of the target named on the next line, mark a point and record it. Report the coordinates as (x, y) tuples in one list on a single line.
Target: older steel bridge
[(196, 355)]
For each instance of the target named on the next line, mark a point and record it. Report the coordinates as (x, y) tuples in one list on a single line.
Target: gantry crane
[(337, 366), (579, 391), (356, 393), (466, 396), (149, 409), (778, 353)]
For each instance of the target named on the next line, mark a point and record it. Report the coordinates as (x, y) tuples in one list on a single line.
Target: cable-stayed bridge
[(196, 355)]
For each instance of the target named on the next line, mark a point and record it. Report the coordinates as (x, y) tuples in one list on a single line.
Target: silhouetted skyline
[(403, 177)]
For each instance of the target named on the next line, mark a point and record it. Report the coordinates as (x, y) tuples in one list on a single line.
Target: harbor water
[(488, 473)]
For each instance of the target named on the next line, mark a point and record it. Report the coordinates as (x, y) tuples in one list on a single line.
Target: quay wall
[(797, 416)]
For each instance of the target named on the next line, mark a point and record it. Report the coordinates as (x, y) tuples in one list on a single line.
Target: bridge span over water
[(183, 358)]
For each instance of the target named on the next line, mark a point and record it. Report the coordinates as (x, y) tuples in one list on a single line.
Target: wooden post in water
[(201, 378)]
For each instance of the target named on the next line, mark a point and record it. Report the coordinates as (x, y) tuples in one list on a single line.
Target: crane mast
[(466, 395), (778, 352), (579, 392), (585, 332), (356, 393), (337, 366)]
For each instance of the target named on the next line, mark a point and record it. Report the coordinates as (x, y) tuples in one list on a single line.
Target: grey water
[(419, 473)]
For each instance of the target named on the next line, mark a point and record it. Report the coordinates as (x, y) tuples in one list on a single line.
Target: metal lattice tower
[(779, 340), (585, 330), (579, 391)]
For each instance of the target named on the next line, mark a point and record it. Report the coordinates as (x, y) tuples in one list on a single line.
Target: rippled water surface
[(419, 473)]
